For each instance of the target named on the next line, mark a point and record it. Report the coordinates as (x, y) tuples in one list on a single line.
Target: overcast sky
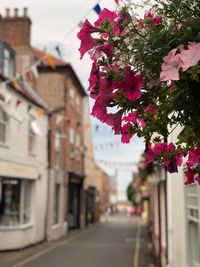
[(51, 23)]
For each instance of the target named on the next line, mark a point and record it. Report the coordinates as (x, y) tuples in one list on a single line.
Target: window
[(78, 143), (77, 101), (3, 124), (71, 92), (8, 64), (58, 149), (31, 138), (56, 204), (71, 135), (15, 196)]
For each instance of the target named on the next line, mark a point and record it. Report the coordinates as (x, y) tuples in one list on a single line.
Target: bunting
[(50, 60), (97, 9)]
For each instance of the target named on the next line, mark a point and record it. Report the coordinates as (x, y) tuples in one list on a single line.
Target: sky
[(56, 23)]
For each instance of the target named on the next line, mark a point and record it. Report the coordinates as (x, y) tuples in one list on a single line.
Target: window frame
[(22, 223)]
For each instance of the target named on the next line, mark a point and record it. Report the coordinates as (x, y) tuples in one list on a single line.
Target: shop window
[(15, 196), (3, 126), (56, 204)]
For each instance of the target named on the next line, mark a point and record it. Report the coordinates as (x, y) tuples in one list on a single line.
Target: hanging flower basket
[(145, 77)]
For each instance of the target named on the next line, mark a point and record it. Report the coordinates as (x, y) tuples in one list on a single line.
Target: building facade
[(23, 169)]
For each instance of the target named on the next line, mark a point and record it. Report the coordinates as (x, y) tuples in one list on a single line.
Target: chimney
[(16, 30), (15, 12), (7, 12), (25, 12)]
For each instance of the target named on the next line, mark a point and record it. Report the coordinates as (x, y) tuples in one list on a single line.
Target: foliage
[(131, 193), (145, 77)]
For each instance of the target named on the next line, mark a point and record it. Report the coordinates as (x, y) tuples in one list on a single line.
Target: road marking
[(137, 247), (43, 252)]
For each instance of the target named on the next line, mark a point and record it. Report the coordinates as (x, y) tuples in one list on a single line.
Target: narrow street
[(117, 242)]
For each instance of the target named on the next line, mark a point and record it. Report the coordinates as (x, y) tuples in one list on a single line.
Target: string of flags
[(116, 164), (106, 146)]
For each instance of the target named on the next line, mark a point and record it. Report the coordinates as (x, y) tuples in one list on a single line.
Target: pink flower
[(142, 122), (87, 41), (159, 147), (103, 100), (131, 117), (191, 56), (190, 177), (152, 109), (94, 79), (157, 20), (106, 14), (126, 133), (170, 67), (193, 157), (132, 84), (150, 155), (106, 49)]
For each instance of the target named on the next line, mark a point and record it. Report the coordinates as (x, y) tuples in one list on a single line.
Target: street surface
[(117, 242)]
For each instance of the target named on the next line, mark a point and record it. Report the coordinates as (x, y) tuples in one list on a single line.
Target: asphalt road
[(115, 243)]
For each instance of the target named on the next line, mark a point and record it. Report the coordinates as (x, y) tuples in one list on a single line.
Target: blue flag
[(97, 9)]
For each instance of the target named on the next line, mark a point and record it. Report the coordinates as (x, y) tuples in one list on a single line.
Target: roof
[(38, 54), (60, 66), (29, 94)]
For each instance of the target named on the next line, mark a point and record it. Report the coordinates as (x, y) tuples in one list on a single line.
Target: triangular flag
[(34, 71), (80, 24), (97, 9), (58, 51), (40, 112), (50, 61), (15, 83), (18, 102)]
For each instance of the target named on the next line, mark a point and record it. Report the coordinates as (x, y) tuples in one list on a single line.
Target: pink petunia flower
[(106, 14), (132, 84), (152, 109), (190, 177), (193, 157), (87, 41), (126, 133), (191, 56), (106, 49), (171, 66)]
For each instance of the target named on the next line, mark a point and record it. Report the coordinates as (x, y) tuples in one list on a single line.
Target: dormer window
[(7, 60)]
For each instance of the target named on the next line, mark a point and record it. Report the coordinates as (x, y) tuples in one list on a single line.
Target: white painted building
[(23, 170), (183, 219)]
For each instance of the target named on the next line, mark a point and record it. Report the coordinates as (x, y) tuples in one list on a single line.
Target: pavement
[(116, 242)]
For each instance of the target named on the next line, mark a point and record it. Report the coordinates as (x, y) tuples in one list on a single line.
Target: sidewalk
[(12, 258)]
